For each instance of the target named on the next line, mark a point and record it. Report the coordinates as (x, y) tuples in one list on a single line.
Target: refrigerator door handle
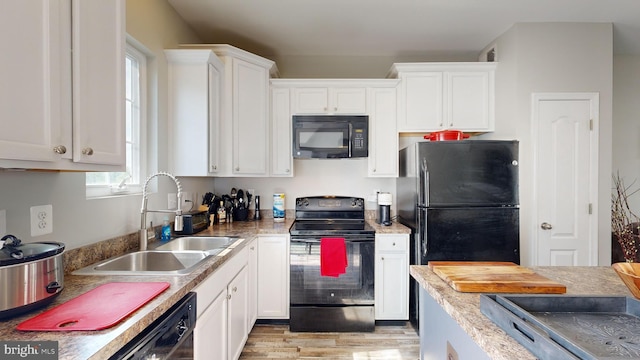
[(423, 191)]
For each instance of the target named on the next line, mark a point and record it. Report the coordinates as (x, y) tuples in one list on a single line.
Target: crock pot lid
[(29, 252)]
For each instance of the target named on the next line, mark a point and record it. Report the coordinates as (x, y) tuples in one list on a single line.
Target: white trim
[(137, 51)]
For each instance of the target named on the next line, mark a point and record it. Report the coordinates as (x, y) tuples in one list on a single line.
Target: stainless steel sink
[(151, 262), (211, 244)]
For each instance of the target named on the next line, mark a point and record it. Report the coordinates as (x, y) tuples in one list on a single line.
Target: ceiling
[(396, 28)]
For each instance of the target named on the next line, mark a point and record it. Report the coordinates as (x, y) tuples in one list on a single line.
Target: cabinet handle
[(394, 244), (382, 258), (440, 124), (214, 167), (451, 124), (335, 109), (287, 171), (60, 149), (237, 169), (252, 248), (373, 170), (229, 297), (235, 288), (87, 151)]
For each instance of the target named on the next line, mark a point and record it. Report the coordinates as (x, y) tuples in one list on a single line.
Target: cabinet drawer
[(392, 243)]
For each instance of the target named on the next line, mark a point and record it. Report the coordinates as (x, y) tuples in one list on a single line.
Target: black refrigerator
[(460, 199)]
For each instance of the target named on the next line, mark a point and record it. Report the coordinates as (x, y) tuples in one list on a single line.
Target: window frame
[(138, 163)]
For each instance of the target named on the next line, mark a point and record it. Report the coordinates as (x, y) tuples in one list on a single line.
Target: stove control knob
[(302, 202)]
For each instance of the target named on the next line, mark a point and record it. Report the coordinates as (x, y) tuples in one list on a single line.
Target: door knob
[(546, 226)]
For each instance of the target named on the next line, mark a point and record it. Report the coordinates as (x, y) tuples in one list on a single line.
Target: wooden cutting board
[(97, 309), (494, 277)]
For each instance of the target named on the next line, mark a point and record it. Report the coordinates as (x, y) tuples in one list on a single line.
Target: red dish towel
[(333, 257)]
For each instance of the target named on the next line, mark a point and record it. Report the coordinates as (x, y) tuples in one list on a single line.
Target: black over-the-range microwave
[(330, 136)]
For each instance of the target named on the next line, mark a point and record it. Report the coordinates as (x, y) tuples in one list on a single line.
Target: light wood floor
[(277, 342)]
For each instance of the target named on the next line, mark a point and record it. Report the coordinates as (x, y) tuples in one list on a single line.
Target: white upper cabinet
[(329, 100), (245, 112), (281, 141), (195, 93), (440, 96), (383, 139), (62, 103)]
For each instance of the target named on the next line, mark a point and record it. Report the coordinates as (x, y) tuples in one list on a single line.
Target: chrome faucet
[(177, 226)]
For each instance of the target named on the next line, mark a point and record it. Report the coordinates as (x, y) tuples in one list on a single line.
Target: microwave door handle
[(349, 137)]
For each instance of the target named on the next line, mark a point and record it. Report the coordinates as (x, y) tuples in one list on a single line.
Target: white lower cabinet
[(273, 277), (392, 277), (237, 314), (211, 330), (222, 326)]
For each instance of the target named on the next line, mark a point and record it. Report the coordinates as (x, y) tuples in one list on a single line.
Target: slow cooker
[(31, 274)]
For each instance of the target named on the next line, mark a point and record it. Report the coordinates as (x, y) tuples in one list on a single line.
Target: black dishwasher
[(169, 337)]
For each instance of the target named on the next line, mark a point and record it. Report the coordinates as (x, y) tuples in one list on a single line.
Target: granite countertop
[(394, 228), (464, 308), (102, 344), (97, 345)]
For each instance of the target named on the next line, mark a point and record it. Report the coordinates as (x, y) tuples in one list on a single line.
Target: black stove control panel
[(330, 203)]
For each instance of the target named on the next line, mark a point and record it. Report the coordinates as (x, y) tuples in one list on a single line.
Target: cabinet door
[(98, 39), (252, 287), (467, 103), (383, 150), (281, 141), (310, 100), (215, 115), (210, 333), (250, 118), (195, 86), (237, 314), (35, 96), (348, 101), (391, 273), (421, 108), (273, 277), (392, 277)]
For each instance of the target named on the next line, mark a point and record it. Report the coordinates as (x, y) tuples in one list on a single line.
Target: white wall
[(336, 67), (626, 124), (554, 57), (346, 177), (76, 220)]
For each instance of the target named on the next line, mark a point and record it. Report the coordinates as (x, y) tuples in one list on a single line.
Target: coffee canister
[(278, 207)]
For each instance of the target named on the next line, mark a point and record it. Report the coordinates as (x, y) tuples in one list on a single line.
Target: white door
[(566, 166)]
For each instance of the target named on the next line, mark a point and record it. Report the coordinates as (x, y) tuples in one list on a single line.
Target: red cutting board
[(97, 309)]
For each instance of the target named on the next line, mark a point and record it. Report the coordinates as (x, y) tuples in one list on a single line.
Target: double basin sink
[(177, 257)]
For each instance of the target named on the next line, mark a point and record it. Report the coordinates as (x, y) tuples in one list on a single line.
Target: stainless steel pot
[(31, 275)]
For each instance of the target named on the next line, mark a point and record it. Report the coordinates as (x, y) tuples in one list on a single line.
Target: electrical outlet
[(452, 354), (41, 220), (187, 201)]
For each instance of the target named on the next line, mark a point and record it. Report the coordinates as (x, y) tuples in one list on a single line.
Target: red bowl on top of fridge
[(446, 135)]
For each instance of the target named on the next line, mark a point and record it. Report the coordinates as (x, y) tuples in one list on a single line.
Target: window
[(130, 181)]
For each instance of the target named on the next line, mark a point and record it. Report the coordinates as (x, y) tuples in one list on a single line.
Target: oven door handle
[(317, 241)]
